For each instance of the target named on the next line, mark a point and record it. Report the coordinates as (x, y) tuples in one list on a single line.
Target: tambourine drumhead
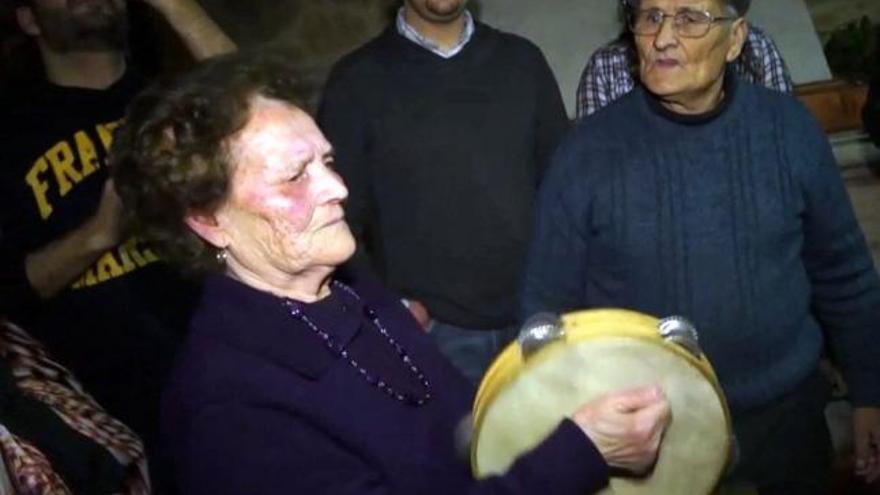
[(521, 401)]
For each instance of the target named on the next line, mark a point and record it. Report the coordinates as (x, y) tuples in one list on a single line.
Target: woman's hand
[(626, 426), (419, 312), (866, 433)]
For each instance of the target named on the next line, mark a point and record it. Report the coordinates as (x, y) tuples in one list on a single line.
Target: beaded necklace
[(295, 310)]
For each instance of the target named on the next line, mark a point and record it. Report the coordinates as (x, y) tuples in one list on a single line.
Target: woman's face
[(686, 69), (284, 213)]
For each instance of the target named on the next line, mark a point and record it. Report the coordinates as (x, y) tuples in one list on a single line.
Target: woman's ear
[(206, 226), (738, 33)]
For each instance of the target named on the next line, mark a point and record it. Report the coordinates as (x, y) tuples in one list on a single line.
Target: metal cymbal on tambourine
[(557, 364)]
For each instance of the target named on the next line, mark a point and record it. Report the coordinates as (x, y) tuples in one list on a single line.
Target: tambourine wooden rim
[(580, 326)]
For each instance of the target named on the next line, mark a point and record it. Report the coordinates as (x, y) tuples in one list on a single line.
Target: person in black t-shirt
[(99, 300)]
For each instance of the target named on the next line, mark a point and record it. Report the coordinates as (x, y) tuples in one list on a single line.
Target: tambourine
[(557, 365)]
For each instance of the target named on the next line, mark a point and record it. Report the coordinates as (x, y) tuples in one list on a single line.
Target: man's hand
[(56, 265), (866, 435), (626, 426), (419, 312), (105, 225)]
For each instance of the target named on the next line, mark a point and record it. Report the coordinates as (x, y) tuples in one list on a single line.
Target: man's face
[(81, 25), (437, 11), (678, 67)]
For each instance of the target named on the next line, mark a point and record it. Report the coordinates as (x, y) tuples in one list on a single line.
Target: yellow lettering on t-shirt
[(125, 258), (87, 154), (105, 132), (61, 158), (127, 264), (108, 267), (131, 248), (90, 278), (149, 255), (39, 187)]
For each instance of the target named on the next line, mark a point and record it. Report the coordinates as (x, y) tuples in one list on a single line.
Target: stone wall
[(314, 32), (829, 14), (317, 32)]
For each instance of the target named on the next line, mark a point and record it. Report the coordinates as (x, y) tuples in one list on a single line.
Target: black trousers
[(785, 447)]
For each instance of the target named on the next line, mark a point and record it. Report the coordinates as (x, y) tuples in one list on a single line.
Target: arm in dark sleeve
[(846, 288), (262, 451), (556, 262), (343, 119), (552, 122), (871, 111), (234, 449), (16, 294)]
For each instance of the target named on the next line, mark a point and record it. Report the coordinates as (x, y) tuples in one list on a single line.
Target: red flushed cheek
[(297, 213), (282, 209)]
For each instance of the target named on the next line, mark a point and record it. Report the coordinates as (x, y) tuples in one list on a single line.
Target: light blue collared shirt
[(411, 34)]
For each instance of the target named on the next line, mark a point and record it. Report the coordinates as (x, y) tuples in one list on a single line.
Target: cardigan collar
[(260, 323)]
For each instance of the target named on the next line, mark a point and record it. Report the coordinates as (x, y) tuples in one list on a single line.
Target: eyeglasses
[(687, 23)]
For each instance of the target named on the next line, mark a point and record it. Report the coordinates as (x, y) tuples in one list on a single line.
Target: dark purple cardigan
[(259, 405)]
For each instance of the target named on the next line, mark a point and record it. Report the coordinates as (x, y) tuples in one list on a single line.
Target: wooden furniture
[(837, 104)]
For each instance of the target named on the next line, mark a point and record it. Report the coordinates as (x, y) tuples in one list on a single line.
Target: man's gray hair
[(736, 7)]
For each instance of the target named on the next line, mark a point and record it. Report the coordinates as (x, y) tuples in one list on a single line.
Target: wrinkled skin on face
[(283, 217), (82, 25), (687, 73), (438, 11)]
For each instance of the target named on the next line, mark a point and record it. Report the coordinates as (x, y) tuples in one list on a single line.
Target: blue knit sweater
[(737, 219)]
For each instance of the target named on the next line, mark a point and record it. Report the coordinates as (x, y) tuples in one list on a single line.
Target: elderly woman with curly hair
[(297, 376)]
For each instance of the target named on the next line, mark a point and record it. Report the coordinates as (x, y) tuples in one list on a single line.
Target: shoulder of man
[(366, 55), (509, 41), (612, 120)]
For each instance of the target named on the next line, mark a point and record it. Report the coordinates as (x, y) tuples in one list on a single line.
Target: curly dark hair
[(171, 155)]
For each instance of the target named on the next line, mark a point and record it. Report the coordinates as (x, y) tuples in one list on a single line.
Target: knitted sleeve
[(556, 264), (268, 451), (845, 284)]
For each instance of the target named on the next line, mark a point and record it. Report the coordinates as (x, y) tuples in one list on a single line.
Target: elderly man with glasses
[(608, 74), (701, 194)]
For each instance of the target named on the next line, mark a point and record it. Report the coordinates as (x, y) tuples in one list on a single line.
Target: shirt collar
[(410, 33), (730, 87)]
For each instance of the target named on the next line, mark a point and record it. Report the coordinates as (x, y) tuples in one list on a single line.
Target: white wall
[(569, 30)]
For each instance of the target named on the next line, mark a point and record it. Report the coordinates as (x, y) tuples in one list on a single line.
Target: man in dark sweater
[(442, 128), (706, 196)]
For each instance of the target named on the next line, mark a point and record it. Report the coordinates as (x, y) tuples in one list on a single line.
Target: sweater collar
[(730, 87), (261, 324), (410, 33)]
